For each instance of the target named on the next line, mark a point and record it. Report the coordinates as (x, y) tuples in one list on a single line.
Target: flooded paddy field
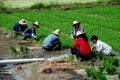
[(32, 70)]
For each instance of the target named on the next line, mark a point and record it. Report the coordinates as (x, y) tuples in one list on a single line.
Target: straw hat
[(36, 23), (75, 22), (78, 33), (57, 32), (23, 22)]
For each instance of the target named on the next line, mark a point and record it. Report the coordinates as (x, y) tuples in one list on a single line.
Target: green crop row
[(96, 20)]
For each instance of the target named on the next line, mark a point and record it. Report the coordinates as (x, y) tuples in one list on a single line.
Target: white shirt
[(103, 47)]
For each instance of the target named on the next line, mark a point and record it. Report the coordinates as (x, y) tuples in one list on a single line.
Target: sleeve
[(82, 29), (72, 32), (33, 35), (76, 44)]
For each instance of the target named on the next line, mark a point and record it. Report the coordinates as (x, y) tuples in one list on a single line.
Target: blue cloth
[(19, 27), (80, 29), (16, 27), (50, 40), (28, 33)]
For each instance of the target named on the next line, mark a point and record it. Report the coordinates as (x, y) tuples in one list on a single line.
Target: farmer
[(30, 32), (100, 46), (77, 27), (20, 26), (81, 48), (52, 42)]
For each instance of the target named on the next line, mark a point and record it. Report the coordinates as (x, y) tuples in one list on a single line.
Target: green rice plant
[(96, 20), (102, 56), (94, 74), (90, 72), (118, 75), (100, 76), (111, 69), (92, 61), (101, 68), (13, 50), (114, 61), (111, 60), (23, 49)]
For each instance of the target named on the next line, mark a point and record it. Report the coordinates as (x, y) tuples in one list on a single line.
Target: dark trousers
[(27, 35), (55, 46), (76, 52)]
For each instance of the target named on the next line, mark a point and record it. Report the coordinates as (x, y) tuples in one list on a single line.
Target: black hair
[(94, 37), (83, 36)]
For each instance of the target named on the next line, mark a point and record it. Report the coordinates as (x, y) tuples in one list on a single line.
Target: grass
[(102, 21), (28, 3)]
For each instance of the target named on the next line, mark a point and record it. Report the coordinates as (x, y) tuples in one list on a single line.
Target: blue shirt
[(29, 30), (49, 40), (80, 29), (19, 27)]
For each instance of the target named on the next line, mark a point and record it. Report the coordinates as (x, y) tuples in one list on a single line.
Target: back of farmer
[(30, 32), (20, 26), (52, 41), (81, 48)]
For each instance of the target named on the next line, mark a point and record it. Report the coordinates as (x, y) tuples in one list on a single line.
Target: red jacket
[(83, 46)]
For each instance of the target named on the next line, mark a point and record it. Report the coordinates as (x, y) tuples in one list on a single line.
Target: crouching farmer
[(84, 50), (52, 42), (100, 46), (30, 32), (20, 26)]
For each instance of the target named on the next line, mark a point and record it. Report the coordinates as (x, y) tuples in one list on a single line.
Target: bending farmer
[(20, 26), (100, 46), (52, 41), (30, 32)]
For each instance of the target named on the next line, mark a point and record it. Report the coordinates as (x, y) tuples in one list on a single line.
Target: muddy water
[(5, 44), (30, 71)]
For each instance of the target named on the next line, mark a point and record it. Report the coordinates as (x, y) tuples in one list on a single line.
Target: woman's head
[(82, 35)]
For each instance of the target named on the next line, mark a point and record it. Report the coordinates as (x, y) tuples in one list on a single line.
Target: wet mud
[(30, 71)]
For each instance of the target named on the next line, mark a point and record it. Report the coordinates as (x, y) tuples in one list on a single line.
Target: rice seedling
[(96, 20)]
